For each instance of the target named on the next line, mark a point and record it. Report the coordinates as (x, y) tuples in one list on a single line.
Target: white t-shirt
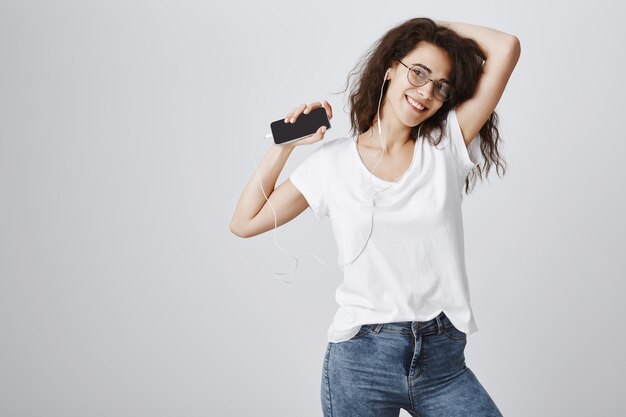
[(413, 266)]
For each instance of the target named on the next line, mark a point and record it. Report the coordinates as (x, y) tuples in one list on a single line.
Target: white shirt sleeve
[(308, 178), (467, 156)]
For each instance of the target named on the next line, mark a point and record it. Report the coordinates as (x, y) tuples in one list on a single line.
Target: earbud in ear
[(388, 69)]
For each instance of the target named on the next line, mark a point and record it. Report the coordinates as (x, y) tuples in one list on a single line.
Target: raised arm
[(502, 51), (253, 214)]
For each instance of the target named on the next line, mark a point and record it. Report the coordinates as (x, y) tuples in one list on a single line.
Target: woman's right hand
[(307, 108)]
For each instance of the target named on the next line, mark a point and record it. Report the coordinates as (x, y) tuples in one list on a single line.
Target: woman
[(423, 117)]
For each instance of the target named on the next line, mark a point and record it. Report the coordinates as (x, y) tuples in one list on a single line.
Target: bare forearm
[(491, 41), (252, 199)]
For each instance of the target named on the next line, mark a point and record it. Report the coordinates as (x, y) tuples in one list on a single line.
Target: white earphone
[(374, 197)]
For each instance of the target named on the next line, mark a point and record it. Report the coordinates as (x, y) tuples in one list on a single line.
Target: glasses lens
[(418, 76), (443, 91)]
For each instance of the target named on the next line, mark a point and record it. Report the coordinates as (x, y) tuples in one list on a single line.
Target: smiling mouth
[(415, 105)]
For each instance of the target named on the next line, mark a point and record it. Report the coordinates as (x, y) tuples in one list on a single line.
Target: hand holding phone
[(303, 125)]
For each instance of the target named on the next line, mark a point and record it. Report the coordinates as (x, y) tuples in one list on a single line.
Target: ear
[(391, 71)]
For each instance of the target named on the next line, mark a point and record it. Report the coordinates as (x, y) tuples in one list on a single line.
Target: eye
[(420, 73), (444, 88)]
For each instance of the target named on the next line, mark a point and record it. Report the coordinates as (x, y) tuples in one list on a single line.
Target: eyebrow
[(430, 71), (424, 66)]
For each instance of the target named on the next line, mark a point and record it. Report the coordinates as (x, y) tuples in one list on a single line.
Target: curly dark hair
[(467, 59)]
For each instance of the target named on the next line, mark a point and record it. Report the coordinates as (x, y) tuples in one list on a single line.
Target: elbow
[(238, 231), (507, 52), (513, 48)]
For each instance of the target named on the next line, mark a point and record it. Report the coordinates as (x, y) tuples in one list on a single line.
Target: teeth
[(415, 103)]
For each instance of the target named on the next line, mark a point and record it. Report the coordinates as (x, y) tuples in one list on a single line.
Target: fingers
[(306, 109), (319, 135), (312, 107), (329, 109), (293, 116)]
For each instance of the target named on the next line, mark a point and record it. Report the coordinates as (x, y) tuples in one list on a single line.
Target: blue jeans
[(417, 366)]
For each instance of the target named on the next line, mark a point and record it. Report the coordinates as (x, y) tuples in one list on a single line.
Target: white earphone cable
[(375, 195)]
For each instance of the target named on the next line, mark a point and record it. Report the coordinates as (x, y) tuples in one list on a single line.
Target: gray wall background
[(128, 131)]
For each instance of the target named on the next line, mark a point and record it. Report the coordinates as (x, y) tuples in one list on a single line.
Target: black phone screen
[(305, 126)]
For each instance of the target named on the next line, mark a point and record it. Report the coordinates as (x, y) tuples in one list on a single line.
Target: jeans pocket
[(453, 333), (365, 329)]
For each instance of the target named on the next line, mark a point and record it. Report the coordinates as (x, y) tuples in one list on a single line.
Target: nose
[(426, 90)]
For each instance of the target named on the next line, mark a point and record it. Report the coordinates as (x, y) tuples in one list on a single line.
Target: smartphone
[(306, 125)]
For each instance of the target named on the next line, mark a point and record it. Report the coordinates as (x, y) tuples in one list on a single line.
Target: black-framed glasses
[(418, 76)]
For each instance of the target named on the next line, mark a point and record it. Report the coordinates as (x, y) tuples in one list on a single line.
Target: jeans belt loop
[(378, 327), (439, 325)]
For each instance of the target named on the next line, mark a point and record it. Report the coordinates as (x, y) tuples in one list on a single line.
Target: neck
[(395, 135)]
